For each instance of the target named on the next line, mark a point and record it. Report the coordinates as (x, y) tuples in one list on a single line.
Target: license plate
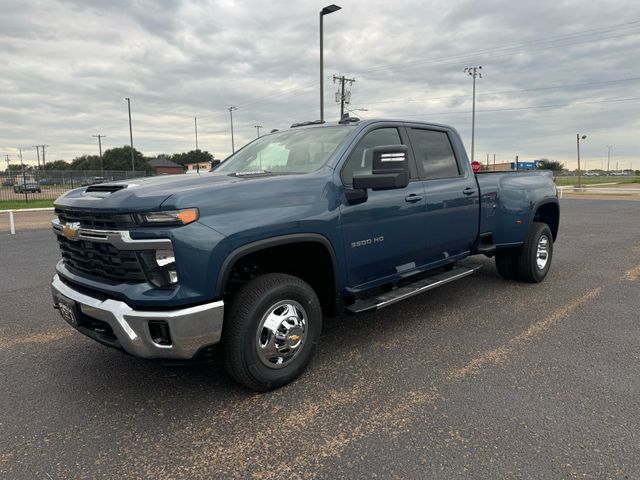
[(67, 310)]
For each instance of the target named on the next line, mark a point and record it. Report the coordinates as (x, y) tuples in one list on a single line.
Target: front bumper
[(190, 329)]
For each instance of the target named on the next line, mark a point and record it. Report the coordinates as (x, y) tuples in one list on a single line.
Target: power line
[(557, 38), (551, 87), (556, 105)]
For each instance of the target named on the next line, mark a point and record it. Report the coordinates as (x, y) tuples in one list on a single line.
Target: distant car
[(94, 181), (29, 187)]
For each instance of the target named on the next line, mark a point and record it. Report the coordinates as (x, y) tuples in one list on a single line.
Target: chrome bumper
[(190, 328)]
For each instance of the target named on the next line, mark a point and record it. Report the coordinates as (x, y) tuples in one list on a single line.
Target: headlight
[(160, 267), (169, 217)]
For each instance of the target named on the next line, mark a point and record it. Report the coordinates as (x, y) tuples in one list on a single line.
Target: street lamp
[(258, 127), (325, 11), (473, 72), (233, 146), (609, 147), (578, 138), (133, 165)]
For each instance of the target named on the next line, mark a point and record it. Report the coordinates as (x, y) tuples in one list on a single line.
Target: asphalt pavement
[(482, 378)]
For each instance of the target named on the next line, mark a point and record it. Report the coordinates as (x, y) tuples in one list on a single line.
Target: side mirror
[(390, 169)]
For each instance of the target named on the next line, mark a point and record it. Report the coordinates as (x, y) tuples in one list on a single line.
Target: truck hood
[(143, 194)]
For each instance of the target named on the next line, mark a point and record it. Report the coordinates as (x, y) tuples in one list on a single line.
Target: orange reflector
[(189, 215)]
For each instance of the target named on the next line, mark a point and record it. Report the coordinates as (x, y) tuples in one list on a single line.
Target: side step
[(388, 298)]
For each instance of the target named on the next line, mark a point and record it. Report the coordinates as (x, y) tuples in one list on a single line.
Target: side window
[(360, 160), (434, 150)]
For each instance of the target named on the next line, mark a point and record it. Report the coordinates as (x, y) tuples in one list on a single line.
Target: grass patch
[(21, 204), (571, 181)]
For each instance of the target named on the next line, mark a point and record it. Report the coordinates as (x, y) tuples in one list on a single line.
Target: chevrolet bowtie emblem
[(70, 230)]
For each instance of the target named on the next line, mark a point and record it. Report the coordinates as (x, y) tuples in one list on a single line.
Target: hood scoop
[(101, 191)]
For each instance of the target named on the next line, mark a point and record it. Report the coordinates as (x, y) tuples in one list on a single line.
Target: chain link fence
[(50, 184)]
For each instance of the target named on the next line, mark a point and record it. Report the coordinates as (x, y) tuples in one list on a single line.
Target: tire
[(534, 259), (262, 358), (506, 264)]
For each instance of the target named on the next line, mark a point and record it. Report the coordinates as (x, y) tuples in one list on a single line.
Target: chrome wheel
[(542, 254), (281, 333)]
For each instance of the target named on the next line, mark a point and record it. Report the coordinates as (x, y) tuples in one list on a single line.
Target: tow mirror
[(390, 169)]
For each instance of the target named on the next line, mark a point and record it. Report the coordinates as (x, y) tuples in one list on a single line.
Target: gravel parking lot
[(482, 378)]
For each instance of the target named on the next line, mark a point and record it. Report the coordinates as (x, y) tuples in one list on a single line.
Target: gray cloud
[(68, 64)]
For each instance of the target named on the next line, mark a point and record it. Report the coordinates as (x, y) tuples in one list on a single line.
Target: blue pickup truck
[(314, 220)]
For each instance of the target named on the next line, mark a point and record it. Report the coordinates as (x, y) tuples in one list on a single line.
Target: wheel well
[(307, 260), (549, 213)]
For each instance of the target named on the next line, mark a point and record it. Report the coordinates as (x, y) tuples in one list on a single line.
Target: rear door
[(451, 191), (382, 236)]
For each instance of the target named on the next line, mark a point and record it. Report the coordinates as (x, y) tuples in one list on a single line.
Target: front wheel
[(270, 331)]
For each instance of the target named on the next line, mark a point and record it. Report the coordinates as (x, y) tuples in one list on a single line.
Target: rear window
[(434, 149)]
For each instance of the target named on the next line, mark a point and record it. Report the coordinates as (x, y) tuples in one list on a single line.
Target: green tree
[(546, 164), (194, 156), (57, 165), (86, 162), (120, 159)]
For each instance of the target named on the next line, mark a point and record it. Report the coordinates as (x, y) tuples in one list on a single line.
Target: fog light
[(160, 267)]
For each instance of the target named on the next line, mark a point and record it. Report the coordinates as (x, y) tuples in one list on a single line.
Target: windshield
[(291, 151)]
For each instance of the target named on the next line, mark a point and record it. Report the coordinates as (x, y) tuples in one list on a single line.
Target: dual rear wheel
[(531, 262)]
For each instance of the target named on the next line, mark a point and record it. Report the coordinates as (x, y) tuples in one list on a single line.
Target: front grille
[(101, 260), (97, 220)]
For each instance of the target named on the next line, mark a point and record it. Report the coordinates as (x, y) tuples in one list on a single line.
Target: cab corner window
[(434, 149), (360, 160)]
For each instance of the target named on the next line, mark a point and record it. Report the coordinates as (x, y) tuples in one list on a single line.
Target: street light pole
[(195, 124), (233, 146), (258, 127), (325, 11), (474, 73), (133, 165), (609, 147), (578, 138)]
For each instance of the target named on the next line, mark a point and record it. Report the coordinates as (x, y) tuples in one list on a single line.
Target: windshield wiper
[(249, 173)]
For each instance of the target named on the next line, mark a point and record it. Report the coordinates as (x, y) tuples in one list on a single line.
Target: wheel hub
[(542, 253), (281, 333)]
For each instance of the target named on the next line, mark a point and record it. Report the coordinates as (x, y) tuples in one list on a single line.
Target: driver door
[(383, 236)]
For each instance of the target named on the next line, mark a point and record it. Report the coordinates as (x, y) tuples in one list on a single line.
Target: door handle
[(469, 191), (413, 198)]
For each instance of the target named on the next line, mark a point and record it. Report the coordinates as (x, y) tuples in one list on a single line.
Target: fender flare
[(539, 204), (265, 243)]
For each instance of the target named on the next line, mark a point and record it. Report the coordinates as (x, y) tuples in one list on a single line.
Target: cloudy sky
[(551, 68)]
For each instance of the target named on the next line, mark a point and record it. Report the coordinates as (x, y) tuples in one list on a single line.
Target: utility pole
[(24, 178), (609, 147), (100, 137), (6, 156), (258, 127), (133, 165), (487, 161), (494, 162), (233, 145), (195, 124), (342, 96), (473, 72), (43, 154), (38, 153)]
